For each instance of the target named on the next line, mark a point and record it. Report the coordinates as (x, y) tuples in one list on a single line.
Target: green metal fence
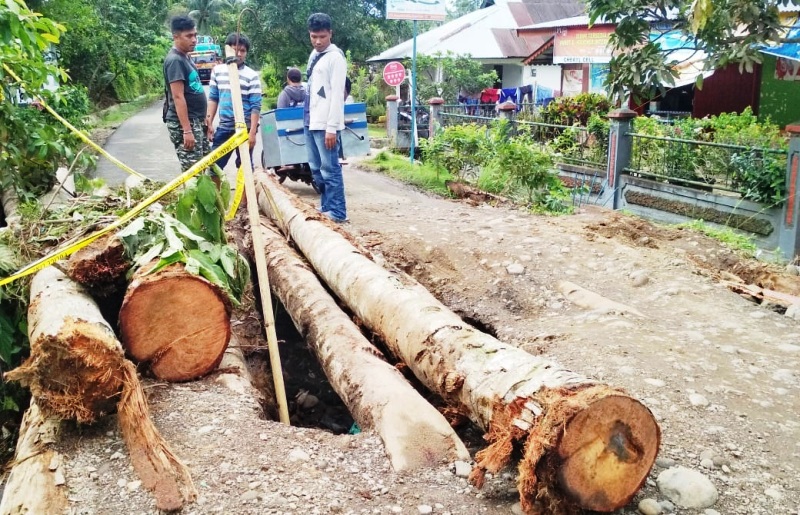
[(747, 171)]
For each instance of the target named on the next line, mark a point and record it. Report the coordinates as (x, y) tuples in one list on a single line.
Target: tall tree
[(208, 13), (107, 40), (458, 8), (727, 31), (359, 27)]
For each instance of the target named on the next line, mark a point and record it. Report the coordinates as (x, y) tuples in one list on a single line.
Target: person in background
[(294, 94), (323, 116), (219, 95), (185, 104)]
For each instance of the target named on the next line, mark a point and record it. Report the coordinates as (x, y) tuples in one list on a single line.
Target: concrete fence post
[(620, 146), (435, 120), (391, 119), (506, 111), (789, 238)]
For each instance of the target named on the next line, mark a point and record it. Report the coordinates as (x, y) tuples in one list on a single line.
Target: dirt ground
[(720, 372)]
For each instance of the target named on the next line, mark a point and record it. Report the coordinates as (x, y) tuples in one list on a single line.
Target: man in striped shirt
[(219, 95)]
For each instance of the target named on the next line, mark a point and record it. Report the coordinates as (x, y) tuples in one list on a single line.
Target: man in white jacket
[(324, 116)]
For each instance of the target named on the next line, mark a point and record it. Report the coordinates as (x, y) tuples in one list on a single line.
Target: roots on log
[(520, 399), (414, 433), (101, 266), (77, 371), (177, 322)]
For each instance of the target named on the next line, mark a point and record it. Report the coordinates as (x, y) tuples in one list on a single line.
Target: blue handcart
[(284, 144)]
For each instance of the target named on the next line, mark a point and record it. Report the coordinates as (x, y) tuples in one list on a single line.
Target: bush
[(575, 110)]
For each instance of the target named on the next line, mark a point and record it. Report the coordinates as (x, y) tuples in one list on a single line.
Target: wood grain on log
[(517, 397), (177, 322)]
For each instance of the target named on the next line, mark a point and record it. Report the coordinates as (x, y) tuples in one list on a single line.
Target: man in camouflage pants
[(186, 101)]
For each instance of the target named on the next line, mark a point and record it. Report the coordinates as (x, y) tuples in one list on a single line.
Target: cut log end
[(177, 322), (607, 451)]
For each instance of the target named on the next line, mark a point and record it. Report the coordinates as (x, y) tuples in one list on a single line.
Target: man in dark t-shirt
[(186, 99)]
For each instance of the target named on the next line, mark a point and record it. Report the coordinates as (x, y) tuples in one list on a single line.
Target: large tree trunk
[(77, 371), (36, 481), (414, 433), (585, 445), (177, 322)]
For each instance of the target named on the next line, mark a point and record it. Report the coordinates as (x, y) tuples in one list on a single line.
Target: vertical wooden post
[(258, 243)]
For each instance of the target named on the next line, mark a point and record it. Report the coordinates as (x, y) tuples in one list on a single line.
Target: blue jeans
[(220, 137), (327, 174)]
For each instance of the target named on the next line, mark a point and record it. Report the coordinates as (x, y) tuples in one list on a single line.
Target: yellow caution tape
[(237, 195), (237, 139), (75, 131)]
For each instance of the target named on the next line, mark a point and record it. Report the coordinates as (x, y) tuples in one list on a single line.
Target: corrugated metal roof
[(469, 34), (547, 10), (575, 21), (488, 33), (520, 13), (513, 46)]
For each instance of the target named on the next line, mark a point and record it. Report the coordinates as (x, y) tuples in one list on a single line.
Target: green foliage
[(726, 235), (459, 73), (195, 238), (422, 175), (756, 175), (728, 31), (458, 149), (279, 30), (575, 110), (13, 343), (112, 47), (760, 177), (501, 162)]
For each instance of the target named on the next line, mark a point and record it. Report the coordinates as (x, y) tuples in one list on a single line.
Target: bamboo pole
[(258, 240)]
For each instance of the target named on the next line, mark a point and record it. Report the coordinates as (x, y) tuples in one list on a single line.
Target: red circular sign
[(394, 73)]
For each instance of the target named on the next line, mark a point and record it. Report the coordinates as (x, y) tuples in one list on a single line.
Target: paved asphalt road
[(142, 143)]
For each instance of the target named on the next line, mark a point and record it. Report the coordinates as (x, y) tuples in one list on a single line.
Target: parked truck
[(206, 54)]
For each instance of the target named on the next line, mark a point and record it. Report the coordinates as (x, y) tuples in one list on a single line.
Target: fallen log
[(36, 482), (176, 322), (413, 432), (77, 371), (586, 445)]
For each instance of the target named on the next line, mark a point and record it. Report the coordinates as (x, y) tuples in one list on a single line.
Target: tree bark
[(520, 399), (177, 322), (414, 433), (36, 481), (75, 368), (77, 371)]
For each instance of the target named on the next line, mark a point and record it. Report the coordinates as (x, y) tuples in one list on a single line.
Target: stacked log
[(77, 371), (175, 322), (413, 432), (586, 445)]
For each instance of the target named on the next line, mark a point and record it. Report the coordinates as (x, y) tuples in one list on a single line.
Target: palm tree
[(207, 13)]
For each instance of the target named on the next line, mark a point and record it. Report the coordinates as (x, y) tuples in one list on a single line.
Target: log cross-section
[(520, 399)]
